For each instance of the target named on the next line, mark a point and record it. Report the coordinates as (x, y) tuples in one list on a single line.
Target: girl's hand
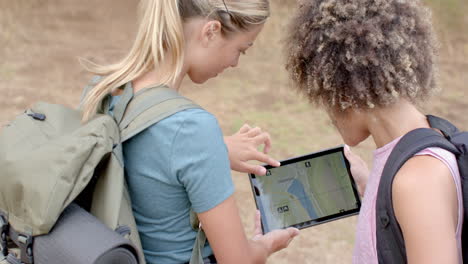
[(243, 147), (359, 169), (275, 240), (223, 221)]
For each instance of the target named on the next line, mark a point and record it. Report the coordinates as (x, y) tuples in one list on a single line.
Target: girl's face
[(351, 124), (214, 52)]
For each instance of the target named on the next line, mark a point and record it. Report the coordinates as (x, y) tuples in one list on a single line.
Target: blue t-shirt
[(175, 165)]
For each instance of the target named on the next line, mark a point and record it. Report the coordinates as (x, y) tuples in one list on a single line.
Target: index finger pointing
[(259, 156)]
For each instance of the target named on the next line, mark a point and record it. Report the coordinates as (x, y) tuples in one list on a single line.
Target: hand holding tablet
[(305, 191)]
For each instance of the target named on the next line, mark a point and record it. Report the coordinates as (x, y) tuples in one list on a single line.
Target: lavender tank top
[(365, 250)]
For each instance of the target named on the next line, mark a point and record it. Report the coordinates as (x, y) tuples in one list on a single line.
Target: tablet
[(305, 191)]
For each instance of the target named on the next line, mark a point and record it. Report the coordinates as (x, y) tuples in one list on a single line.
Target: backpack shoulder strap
[(88, 88), (460, 140), (150, 106), (447, 128), (390, 243), (135, 113)]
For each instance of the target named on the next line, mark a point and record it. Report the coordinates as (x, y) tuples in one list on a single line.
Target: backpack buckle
[(3, 236), (26, 248), (24, 242)]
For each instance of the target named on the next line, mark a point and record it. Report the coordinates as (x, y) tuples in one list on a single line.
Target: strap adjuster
[(24, 242), (26, 248)]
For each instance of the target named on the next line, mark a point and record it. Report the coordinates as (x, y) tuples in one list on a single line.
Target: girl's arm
[(224, 230), (426, 207)]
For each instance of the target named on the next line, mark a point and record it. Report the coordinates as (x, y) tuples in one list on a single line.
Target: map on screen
[(307, 190)]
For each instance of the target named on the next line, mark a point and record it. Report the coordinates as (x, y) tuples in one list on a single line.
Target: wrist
[(227, 140)]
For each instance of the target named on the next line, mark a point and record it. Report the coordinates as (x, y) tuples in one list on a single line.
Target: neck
[(155, 77), (389, 123)]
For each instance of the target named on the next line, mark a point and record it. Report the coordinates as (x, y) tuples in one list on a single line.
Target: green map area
[(304, 191)]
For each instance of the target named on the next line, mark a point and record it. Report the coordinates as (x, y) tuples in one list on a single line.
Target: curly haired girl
[(368, 63)]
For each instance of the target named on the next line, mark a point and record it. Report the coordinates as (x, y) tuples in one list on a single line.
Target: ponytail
[(160, 34)]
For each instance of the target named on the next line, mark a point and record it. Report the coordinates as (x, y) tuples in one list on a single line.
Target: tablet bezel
[(321, 220)]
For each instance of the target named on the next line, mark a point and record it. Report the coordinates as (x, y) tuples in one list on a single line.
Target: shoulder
[(422, 173), (189, 122), (445, 156), (434, 166), (196, 126), (424, 198), (196, 118), (424, 191)]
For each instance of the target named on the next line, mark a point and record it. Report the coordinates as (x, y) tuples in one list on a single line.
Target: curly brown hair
[(362, 53)]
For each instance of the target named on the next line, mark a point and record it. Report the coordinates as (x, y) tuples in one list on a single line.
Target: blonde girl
[(182, 162)]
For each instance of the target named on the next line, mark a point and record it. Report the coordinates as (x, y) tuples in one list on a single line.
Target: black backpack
[(390, 243)]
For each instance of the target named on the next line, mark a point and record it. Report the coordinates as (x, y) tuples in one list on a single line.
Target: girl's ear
[(210, 31)]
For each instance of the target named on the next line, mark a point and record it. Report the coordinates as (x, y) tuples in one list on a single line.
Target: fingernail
[(296, 233), (262, 171)]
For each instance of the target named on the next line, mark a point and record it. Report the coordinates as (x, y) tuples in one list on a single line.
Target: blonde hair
[(161, 34)]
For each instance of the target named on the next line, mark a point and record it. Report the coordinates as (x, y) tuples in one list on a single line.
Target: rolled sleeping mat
[(80, 238)]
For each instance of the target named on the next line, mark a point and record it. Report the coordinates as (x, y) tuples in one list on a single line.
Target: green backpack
[(49, 160)]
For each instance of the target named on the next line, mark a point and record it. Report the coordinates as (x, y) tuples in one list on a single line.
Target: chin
[(198, 79), (352, 142)]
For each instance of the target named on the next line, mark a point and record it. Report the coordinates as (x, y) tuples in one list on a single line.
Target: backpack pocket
[(47, 163)]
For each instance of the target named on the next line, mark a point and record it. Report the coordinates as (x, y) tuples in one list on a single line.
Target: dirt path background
[(40, 41)]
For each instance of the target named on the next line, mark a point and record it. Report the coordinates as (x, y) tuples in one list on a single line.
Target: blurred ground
[(40, 41)]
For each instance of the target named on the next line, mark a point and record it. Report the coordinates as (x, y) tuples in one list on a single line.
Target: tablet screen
[(306, 191)]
